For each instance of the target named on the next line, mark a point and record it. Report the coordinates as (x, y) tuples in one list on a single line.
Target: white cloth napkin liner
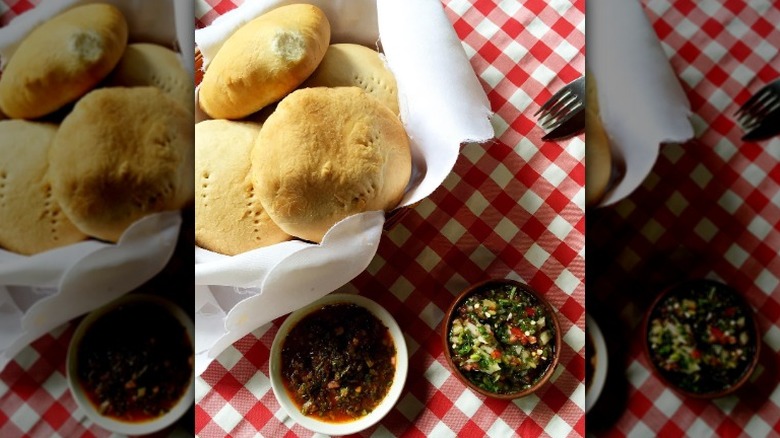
[(78, 278), (641, 100)]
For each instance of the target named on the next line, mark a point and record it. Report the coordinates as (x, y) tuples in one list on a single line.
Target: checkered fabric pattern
[(710, 208), (510, 208), (34, 396), (11, 8)]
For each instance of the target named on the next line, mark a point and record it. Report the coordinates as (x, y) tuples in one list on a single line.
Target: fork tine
[(553, 99), (760, 102), (759, 110), (750, 103), (562, 105), (565, 118), (557, 107), (557, 117)]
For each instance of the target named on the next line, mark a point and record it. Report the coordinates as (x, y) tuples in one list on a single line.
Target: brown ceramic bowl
[(552, 323), (712, 326)]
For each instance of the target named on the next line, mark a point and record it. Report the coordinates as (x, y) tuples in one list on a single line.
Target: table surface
[(710, 208), (513, 207)]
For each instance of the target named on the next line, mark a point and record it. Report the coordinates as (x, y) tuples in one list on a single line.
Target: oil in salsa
[(338, 362)]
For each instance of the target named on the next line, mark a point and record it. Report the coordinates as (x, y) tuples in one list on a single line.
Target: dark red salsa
[(135, 362), (338, 362)]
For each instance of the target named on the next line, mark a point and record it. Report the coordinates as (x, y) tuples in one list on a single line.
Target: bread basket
[(391, 218)]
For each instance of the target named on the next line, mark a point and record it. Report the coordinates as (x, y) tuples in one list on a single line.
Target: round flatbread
[(145, 64), (229, 218), (264, 60), (62, 59), (353, 65), (598, 157), (326, 154), (122, 154), (32, 220)]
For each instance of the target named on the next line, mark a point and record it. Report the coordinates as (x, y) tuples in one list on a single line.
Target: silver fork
[(759, 106), (563, 105)]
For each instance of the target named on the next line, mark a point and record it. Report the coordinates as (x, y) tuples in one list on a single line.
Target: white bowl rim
[(600, 372), (384, 407), (122, 427)]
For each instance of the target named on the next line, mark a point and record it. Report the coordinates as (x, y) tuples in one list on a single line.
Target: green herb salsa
[(701, 338), (338, 362), (502, 339)]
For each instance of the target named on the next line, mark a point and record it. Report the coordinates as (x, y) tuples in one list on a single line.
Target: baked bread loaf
[(326, 154), (146, 64), (353, 65), (598, 156), (62, 59), (31, 219), (121, 154), (229, 218), (264, 60)]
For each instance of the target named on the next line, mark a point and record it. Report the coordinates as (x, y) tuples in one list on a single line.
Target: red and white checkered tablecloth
[(710, 208), (511, 208)]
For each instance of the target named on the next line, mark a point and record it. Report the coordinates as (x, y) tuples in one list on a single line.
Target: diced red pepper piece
[(517, 334), (716, 333), (495, 354), (530, 312)]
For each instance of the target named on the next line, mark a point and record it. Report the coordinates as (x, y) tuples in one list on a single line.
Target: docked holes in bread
[(122, 154), (229, 218), (598, 157), (62, 59), (145, 64), (326, 154), (31, 219), (353, 65), (264, 60)]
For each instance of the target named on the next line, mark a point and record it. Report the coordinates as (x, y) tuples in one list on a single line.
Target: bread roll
[(229, 218), (121, 154), (145, 64), (31, 220), (353, 65), (328, 153), (598, 157), (62, 59), (264, 60)]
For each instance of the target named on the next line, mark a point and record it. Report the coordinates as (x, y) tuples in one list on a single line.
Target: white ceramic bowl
[(600, 370), (111, 424), (343, 428)]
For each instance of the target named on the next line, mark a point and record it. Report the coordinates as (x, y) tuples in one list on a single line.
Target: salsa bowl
[(339, 364), (501, 339), (595, 362), (701, 338), (130, 364)]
